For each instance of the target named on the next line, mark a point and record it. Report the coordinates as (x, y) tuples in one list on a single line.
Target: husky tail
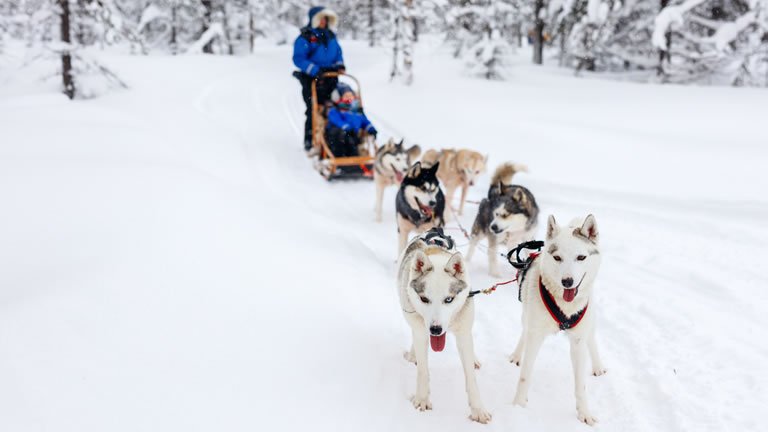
[(506, 171)]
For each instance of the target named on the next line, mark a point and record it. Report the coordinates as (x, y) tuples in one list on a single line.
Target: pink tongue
[(569, 294), (437, 342), (399, 176)]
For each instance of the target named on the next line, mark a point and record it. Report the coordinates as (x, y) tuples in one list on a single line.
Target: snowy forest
[(681, 41)]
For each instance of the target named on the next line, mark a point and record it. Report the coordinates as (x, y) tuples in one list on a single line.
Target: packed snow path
[(172, 262)]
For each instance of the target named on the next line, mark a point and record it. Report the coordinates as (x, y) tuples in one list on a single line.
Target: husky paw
[(409, 357), (480, 415), (515, 358), (421, 404), (478, 365), (586, 417), (520, 400), (599, 371)]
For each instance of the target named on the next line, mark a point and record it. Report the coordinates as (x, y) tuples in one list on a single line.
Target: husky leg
[(472, 245), (403, 240), (597, 364), (379, 199), (517, 355), (463, 198), (466, 348), (492, 265), (578, 357), (532, 345), (420, 345)]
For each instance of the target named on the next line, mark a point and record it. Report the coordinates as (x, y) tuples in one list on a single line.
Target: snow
[(726, 33), (670, 16), (171, 261), (149, 14)]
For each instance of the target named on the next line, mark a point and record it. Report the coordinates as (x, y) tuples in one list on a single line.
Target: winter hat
[(339, 91), (317, 13)]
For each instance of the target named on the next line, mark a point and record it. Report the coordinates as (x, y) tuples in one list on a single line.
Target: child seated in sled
[(346, 121)]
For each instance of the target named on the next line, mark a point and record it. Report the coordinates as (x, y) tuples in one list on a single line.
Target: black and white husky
[(557, 296), (390, 166), (432, 284), (420, 202), (508, 216)]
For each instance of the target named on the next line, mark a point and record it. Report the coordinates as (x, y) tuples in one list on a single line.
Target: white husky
[(556, 294), (432, 284)]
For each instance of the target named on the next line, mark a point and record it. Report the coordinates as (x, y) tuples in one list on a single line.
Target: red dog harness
[(564, 322)]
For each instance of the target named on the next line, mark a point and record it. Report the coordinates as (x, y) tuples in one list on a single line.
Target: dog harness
[(563, 321)]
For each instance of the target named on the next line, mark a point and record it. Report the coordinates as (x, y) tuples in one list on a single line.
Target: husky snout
[(435, 330), (567, 282)]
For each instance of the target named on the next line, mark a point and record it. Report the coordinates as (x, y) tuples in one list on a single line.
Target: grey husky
[(508, 216)]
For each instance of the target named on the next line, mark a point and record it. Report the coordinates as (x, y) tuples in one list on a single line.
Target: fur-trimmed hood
[(317, 13)]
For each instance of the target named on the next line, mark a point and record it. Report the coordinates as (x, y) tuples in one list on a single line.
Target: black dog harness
[(437, 237), (521, 265), (564, 322)]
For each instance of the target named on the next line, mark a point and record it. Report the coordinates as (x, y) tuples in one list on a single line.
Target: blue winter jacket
[(348, 120), (316, 48)]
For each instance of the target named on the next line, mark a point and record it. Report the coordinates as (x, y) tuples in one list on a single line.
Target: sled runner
[(334, 167)]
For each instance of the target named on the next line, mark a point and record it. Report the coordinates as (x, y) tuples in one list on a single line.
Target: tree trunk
[(174, 30), (207, 18), (408, 40), (66, 58), (251, 31), (538, 33), (664, 53), (371, 23), (227, 32)]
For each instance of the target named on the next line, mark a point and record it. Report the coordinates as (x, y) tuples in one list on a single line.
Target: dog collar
[(563, 321)]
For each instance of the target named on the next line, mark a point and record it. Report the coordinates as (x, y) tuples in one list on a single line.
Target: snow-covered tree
[(403, 42)]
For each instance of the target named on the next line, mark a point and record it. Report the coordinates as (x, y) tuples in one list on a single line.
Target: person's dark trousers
[(342, 143), (324, 89)]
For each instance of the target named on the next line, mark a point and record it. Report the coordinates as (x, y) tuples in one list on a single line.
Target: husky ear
[(400, 144), (421, 265), (589, 230), (413, 152), (552, 228), (520, 196), (433, 168), (495, 190), (455, 266), (414, 171)]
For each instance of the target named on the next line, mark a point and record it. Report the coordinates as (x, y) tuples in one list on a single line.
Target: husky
[(556, 294), (508, 216), (458, 168), (390, 166), (420, 202), (432, 284)]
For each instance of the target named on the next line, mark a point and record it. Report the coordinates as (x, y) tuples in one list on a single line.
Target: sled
[(330, 166)]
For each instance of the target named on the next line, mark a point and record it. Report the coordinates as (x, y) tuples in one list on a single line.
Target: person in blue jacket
[(317, 50), (345, 122)]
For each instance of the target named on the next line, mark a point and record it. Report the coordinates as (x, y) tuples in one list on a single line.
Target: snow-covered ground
[(171, 262)]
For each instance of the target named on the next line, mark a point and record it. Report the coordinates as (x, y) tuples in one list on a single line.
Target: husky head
[(437, 289), (395, 159), (421, 188), (512, 209), (471, 165), (572, 258)]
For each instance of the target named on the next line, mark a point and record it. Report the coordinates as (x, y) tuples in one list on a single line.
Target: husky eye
[(581, 258), (424, 299), (448, 300), (557, 258)]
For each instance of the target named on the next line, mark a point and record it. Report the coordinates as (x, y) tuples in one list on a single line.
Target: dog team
[(433, 283)]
